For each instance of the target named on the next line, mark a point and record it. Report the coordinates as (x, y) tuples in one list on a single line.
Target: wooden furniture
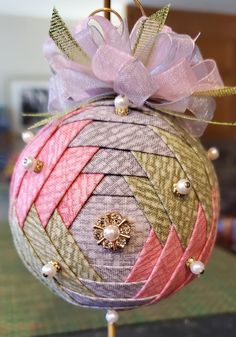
[(218, 41)]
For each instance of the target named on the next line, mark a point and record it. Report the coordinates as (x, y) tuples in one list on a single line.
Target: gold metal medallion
[(112, 231)]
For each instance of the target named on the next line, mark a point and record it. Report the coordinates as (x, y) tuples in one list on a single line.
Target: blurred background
[(24, 76)]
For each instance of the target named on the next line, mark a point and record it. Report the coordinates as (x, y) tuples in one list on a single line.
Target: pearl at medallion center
[(111, 233)]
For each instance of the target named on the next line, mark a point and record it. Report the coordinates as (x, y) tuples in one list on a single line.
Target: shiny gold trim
[(122, 111), (220, 92), (192, 118)]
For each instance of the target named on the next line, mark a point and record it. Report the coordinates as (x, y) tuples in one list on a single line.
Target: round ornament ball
[(122, 211)]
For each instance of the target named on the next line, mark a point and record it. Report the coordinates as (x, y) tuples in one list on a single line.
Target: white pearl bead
[(112, 316), (213, 153), (121, 103), (183, 186), (49, 270), (29, 163), (27, 136), (111, 233), (197, 267)]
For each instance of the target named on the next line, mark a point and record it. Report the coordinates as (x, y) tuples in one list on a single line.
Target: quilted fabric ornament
[(114, 204), (96, 163)]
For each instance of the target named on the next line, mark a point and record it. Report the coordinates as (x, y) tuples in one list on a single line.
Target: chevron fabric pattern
[(95, 163)]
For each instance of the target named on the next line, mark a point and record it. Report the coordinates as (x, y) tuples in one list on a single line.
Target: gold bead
[(189, 261), (122, 111), (39, 166)]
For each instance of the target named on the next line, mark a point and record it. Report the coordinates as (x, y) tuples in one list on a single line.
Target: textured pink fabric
[(65, 172), (50, 154), (209, 245), (195, 246), (165, 266), (32, 149), (206, 252), (77, 195), (146, 260)]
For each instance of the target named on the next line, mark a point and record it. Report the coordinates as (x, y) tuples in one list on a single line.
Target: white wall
[(75, 9), (21, 50), (24, 27), (72, 9)]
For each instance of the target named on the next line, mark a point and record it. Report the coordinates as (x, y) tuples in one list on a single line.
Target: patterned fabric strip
[(68, 249), (196, 244), (202, 154), (32, 149), (45, 249), (164, 268), (151, 205), (114, 162), (114, 290), (32, 262), (193, 168), (105, 303), (107, 114), (50, 155), (199, 150), (76, 196), (163, 172), (82, 231), (65, 172), (206, 252), (116, 274), (209, 245), (146, 260), (113, 185), (122, 136)]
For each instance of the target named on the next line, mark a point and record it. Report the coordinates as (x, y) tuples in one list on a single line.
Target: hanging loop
[(139, 5), (107, 4), (109, 10)]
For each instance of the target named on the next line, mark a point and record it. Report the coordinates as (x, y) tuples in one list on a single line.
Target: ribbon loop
[(153, 64)]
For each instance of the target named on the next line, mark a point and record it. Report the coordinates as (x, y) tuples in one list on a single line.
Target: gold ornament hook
[(107, 4), (109, 10), (139, 5)]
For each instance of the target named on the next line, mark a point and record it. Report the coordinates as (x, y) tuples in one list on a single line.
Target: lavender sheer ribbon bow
[(166, 79)]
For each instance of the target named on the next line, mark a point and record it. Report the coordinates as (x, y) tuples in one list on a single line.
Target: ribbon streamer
[(221, 92), (65, 41), (148, 30)]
